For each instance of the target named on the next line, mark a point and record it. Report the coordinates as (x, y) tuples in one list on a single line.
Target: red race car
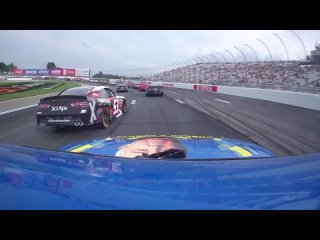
[(81, 106), (143, 87)]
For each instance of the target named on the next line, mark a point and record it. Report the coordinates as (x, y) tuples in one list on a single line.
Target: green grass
[(36, 91)]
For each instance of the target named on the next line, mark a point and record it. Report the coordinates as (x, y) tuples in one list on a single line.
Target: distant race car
[(143, 87), (154, 90), (122, 88), (131, 85), (81, 106), (136, 86)]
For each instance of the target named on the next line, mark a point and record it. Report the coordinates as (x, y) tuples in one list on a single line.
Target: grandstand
[(284, 75), (279, 61), (315, 54), (286, 64)]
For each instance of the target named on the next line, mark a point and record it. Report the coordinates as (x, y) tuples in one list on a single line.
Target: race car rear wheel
[(105, 120), (124, 107)]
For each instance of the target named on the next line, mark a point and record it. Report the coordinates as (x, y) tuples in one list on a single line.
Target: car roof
[(98, 88), (88, 88)]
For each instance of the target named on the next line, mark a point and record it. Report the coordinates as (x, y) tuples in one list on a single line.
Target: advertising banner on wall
[(82, 72), (32, 71), (55, 72), (206, 88), (68, 72), (18, 72), (44, 72)]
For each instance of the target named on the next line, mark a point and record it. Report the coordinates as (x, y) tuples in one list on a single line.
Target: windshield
[(230, 96), (157, 119), (76, 91)]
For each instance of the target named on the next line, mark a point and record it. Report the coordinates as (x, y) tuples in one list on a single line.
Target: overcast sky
[(110, 50)]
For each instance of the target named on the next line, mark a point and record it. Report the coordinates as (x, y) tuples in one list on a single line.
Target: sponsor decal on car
[(59, 108)]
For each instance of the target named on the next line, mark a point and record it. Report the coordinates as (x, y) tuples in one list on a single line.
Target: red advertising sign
[(206, 88), (19, 72), (69, 72), (167, 84)]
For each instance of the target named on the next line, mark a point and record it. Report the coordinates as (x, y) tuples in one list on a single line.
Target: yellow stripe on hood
[(82, 148), (241, 151)]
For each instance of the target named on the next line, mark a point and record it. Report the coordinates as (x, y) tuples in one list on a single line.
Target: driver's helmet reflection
[(148, 146)]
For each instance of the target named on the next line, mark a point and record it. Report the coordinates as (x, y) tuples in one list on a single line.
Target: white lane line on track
[(222, 100), (17, 109), (133, 102), (179, 101)]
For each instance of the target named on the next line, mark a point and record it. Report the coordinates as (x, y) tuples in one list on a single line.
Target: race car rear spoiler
[(64, 96)]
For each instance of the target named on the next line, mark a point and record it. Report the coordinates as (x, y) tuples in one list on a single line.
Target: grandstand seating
[(285, 75)]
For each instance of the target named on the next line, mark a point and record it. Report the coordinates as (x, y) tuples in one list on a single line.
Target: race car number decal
[(116, 110)]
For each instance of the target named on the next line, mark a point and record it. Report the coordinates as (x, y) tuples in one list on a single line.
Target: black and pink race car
[(81, 106)]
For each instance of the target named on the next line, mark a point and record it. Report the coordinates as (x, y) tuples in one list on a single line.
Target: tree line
[(111, 76), (7, 67), (10, 67)]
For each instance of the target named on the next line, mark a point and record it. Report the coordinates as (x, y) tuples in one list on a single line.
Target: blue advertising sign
[(44, 72), (32, 71), (37, 71)]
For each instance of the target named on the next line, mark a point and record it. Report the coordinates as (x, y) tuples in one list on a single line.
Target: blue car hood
[(33, 178), (195, 147)]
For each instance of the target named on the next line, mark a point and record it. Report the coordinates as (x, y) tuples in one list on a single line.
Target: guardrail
[(19, 79), (299, 99)]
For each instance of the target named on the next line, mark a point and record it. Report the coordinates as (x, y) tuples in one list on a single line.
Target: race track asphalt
[(283, 129), (146, 115)]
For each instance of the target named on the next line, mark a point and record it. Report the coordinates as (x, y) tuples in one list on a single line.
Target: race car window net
[(109, 92), (103, 94)]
